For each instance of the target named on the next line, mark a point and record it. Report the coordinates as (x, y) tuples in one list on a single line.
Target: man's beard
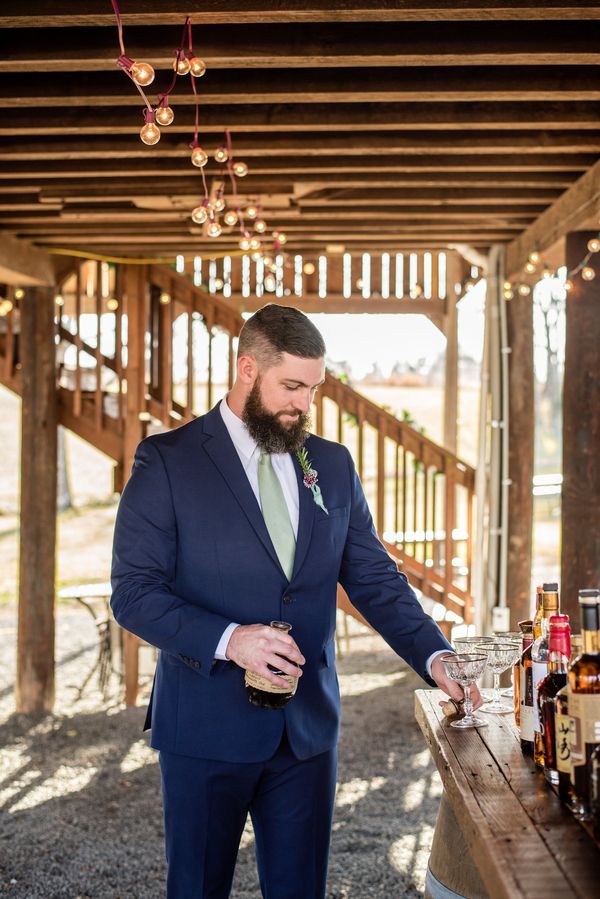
[(266, 428)]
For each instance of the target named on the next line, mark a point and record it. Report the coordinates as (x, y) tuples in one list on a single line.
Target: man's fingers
[(284, 664)]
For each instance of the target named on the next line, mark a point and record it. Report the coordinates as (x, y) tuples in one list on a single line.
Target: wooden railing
[(141, 349)]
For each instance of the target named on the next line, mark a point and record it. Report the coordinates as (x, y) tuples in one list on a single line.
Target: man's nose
[(302, 403)]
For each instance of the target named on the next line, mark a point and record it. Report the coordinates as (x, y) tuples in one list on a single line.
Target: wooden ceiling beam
[(367, 85), (154, 166), (248, 145), (337, 45), (23, 264), (570, 212), (61, 14), (315, 118)]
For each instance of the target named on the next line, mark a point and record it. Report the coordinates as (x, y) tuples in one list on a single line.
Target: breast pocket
[(331, 514)]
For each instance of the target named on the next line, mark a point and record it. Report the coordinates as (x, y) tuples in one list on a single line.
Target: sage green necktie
[(276, 515)]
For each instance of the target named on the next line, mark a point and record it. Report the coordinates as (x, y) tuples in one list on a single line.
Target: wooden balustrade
[(142, 348)]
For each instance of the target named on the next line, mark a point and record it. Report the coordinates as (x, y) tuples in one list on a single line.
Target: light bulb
[(260, 225), (588, 273), (593, 245), (164, 115), (530, 268), (546, 273), (256, 256), (19, 293), (199, 215), (150, 133), (219, 204), (418, 290), (534, 256), (254, 243), (142, 73), (230, 217), (5, 307), (112, 304), (508, 294), (199, 157), (214, 229), (568, 285), (218, 284), (359, 284), (240, 169), (524, 290), (251, 212), (165, 298), (221, 154), (181, 65), (280, 237), (58, 299), (268, 260), (308, 268), (197, 66), (270, 283), (507, 285), (244, 244)]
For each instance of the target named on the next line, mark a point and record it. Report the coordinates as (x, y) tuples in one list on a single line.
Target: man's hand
[(255, 646), (450, 687)]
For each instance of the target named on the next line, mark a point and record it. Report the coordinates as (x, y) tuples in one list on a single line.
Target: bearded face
[(283, 431)]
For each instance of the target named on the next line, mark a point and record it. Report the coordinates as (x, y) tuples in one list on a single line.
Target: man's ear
[(247, 370)]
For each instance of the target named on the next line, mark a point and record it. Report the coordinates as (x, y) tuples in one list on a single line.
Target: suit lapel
[(223, 453), (307, 517)]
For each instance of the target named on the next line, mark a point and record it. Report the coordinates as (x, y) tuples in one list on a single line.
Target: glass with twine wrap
[(261, 692)]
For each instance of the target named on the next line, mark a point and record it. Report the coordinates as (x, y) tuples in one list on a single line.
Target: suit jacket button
[(288, 600)]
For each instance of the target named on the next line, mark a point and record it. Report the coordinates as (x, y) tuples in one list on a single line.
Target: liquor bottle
[(559, 653), (562, 730), (539, 658), (594, 776), (526, 628), (261, 692), (584, 702), (526, 681)]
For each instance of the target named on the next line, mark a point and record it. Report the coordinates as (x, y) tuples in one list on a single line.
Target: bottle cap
[(560, 635), (550, 588), (526, 625), (589, 596)]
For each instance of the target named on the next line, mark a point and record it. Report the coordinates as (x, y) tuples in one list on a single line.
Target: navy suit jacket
[(192, 554)]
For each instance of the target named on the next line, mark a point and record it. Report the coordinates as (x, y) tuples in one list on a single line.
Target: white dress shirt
[(249, 452)]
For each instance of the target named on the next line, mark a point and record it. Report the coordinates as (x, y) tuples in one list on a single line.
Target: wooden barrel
[(451, 872)]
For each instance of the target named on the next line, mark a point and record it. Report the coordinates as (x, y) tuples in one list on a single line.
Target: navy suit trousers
[(206, 803)]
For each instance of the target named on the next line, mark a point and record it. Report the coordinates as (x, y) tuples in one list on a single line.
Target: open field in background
[(85, 532)]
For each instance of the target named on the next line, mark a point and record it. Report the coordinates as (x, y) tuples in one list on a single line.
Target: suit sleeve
[(381, 593), (143, 569)]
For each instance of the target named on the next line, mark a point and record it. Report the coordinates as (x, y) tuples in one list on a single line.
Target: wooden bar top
[(524, 842)]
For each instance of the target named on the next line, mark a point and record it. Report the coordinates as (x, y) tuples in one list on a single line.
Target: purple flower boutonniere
[(310, 478)]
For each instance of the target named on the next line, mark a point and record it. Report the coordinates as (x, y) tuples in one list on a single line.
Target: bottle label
[(540, 670), (584, 710), (526, 700), (563, 743), (259, 682)]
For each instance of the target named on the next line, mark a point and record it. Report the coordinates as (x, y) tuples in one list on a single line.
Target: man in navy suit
[(218, 534)]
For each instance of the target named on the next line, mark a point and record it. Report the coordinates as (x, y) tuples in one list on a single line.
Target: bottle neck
[(590, 641), (558, 663), (589, 625)]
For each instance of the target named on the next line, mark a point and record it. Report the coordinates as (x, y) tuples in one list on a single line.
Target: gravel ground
[(80, 813)]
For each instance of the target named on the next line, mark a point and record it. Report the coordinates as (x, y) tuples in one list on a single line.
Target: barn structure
[(442, 143)]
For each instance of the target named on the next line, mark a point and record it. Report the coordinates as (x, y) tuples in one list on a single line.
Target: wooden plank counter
[(521, 839)]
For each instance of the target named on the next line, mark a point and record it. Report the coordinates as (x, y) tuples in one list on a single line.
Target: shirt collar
[(238, 431)]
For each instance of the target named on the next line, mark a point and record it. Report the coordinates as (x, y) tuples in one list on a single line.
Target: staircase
[(140, 348)]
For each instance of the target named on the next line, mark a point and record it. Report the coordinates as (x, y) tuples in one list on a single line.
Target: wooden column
[(451, 375), (580, 561), (35, 643), (521, 424)]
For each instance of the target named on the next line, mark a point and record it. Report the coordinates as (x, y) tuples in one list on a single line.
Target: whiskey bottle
[(539, 658), (562, 738), (261, 692), (584, 702), (526, 710), (526, 628), (559, 652)]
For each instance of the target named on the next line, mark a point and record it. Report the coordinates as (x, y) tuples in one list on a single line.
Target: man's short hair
[(275, 330)]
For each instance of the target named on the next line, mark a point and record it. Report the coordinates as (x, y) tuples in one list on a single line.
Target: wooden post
[(580, 560), (521, 422), (35, 643), (451, 379)]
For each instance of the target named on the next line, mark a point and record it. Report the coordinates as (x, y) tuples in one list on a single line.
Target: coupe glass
[(516, 638), (500, 656), (465, 668), (470, 644)]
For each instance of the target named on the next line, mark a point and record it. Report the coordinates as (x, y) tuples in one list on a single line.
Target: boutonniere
[(310, 478)]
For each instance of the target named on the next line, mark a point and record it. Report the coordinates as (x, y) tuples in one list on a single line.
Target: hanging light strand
[(587, 272)]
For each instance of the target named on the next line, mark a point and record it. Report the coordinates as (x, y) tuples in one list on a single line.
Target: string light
[(530, 268), (165, 298), (534, 257), (181, 65), (164, 113), (230, 217), (200, 214), (150, 132), (252, 212), (279, 237), (142, 73), (199, 157), (240, 169), (588, 273), (112, 304), (568, 285), (214, 229), (593, 245), (197, 67), (19, 293), (308, 268), (218, 284), (254, 243), (524, 289), (244, 244), (59, 300), (221, 154), (219, 204), (260, 225)]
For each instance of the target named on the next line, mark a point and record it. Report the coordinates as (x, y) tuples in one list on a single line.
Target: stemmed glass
[(465, 668), (470, 644), (517, 639), (500, 656)]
